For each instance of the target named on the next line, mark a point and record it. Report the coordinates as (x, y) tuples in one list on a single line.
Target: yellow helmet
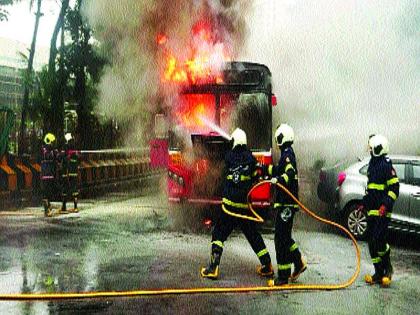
[(49, 138)]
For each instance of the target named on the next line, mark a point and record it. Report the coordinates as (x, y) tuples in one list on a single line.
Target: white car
[(351, 187)]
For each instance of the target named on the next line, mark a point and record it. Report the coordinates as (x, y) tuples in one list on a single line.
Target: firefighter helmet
[(239, 137), (283, 134), (49, 138), (378, 145), (68, 137)]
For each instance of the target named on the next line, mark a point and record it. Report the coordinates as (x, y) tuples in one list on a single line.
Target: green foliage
[(3, 12), (71, 78), (5, 130), (84, 66), (40, 96)]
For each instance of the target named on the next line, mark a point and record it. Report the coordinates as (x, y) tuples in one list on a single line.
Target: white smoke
[(342, 70), (131, 88)]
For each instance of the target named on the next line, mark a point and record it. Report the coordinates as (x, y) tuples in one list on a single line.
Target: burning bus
[(240, 96), (207, 96)]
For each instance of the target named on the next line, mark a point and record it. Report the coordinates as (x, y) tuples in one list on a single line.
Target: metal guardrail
[(99, 171)]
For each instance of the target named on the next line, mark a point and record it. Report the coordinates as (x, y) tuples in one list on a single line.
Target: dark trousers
[(225, 226), (287, 251), (69, 186), (50, 189), (377, 240)]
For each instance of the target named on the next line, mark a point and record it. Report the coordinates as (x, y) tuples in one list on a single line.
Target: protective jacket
[(382, 187), (239, 176), (48, 162), (70, 161), (286, 173)]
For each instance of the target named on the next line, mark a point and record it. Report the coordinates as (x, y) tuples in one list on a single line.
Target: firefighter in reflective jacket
[(285, 173), (239, 176), (49, 158), (381, 193), (69, 174)]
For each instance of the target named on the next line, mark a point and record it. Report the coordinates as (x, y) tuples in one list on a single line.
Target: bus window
[(250, 112), (192, 108)]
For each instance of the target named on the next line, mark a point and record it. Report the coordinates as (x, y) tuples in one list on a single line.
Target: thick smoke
[(342, 70), (131, 89)]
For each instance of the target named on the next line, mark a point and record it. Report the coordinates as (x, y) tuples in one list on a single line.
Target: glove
[(382, 211), (274, 180)]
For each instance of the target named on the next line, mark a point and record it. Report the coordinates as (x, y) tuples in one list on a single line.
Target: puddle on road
[(78, 256)]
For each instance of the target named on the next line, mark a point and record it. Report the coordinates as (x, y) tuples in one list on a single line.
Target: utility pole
[(28, 83)]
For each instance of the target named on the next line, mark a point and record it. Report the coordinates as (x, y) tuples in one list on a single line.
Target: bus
[(240, 97)]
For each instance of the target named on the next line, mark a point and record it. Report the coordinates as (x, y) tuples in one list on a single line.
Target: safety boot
[(387, 278), (47, 208), (212, 270), (377, 276), (280, 281), (63, 208), (388, 271), (299, 267), (282, 278), (45, 205), (265, 270), (75, 205)]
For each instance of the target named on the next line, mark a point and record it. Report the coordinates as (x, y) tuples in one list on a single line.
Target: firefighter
[(239, 174), (49, 159), (286, 173), (381, 192), (69, 176)]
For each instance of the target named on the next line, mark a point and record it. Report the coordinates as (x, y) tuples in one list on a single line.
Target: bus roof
[(237, 77)]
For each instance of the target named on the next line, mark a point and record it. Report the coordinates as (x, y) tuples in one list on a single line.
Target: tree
[(58, 78), (85, 65), (3, 12), (28, 81)]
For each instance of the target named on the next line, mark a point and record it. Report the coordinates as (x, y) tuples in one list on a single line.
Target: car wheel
[(357, 222)]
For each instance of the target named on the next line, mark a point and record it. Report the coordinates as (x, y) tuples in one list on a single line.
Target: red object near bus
[(159, 153)]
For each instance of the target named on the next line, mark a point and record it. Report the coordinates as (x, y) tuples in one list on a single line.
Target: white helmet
[(239, 137), (284, 134), (378, 145), (68, 137)]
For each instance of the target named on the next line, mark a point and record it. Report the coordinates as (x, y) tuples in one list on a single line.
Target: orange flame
[(193, 108), (161, 39), (201, 65)]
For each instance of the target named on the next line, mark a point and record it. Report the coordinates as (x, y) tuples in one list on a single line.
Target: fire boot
[(388, 271), (299, 267), (265, 269), (47, 207), (64, 207), (75, 205), (377, 276), (212, 270), (283, 277)]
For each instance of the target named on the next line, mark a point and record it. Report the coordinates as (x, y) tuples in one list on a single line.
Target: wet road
[(127, 242)]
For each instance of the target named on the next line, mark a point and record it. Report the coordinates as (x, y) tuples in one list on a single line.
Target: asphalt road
[(129, 241)]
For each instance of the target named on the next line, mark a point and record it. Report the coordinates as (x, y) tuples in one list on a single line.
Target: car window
[(400, 169), (416, 174)]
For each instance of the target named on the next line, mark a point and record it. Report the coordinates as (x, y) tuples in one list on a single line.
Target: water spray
[(215, 127)]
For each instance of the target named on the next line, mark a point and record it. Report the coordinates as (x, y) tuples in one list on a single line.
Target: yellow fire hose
[(165, 291)]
